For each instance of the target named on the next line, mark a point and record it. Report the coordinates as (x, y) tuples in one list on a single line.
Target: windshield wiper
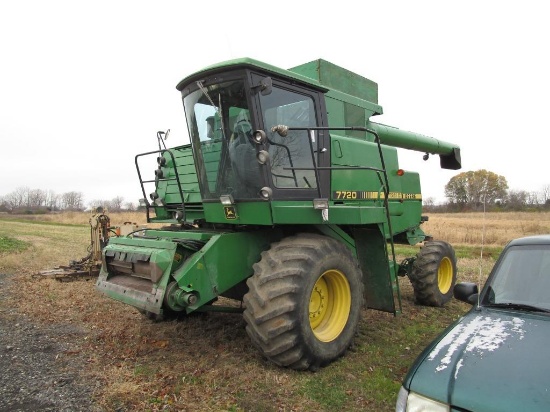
[(518, 306), (204, 90)]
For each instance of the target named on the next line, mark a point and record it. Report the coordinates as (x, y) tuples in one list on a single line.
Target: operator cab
[(225, 109)]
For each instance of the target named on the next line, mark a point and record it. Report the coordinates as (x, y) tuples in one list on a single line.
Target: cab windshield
[(220, 127)]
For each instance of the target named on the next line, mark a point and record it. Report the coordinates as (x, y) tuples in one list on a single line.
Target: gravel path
[(39, 367)]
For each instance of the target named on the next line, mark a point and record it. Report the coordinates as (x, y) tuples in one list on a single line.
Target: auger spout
[(449, 153)]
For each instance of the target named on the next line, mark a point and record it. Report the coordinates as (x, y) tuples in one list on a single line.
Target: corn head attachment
[(89, 266)]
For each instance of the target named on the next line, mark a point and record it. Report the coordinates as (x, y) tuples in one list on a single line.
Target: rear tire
[(304, 301), (434, 274)]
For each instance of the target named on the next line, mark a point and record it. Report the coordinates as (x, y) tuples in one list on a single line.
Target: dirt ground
[(68, 355), (39, 363), (66, 347), (79, 351)]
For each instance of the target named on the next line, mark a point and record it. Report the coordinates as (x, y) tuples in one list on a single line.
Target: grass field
[(206, 362)]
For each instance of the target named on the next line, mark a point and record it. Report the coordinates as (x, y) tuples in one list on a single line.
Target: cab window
[(285, 107)]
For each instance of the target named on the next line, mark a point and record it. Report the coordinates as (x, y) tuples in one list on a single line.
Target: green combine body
[(288, 201)]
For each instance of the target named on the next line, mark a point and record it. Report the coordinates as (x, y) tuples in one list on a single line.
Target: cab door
[(294, 159)]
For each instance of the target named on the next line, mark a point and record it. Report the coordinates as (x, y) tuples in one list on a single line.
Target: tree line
[(26, 200), (467, 191), (475, 190)]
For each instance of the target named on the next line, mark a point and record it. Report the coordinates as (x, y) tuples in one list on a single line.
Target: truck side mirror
[(466, 292)]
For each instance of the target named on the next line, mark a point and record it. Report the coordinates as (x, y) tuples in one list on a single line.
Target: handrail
[(383, 170), (157, 179)]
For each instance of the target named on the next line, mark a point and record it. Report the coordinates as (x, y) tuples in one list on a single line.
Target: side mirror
[(466, 292), (265, 86)]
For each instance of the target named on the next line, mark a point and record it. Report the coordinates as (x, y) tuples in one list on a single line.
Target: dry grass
[(456, 228), (497, 228), (206, 362), (83, 218), (51, 245)]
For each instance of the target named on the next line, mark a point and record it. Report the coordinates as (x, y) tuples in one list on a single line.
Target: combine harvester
[(289, 199)]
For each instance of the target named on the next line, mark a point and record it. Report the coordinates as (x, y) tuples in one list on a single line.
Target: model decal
[(363, 195)]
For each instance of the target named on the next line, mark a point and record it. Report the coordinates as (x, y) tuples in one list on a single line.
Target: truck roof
[(531, 240)]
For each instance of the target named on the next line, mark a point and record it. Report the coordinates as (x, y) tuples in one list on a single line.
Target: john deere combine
[(288, 200)]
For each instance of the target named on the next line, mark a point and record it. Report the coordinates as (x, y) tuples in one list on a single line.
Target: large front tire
[(304, 301), (433, 274)]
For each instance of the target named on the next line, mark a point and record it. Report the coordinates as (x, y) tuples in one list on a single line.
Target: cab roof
[(318, 74), (246, 62)]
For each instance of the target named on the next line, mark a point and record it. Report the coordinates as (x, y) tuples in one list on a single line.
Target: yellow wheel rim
[(329, 305), (445, 275)]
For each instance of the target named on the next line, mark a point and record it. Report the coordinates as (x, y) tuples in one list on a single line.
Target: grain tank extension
[(288, 201)]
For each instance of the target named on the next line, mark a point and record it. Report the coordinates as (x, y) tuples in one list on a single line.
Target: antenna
[(161, 137), (482, 244)]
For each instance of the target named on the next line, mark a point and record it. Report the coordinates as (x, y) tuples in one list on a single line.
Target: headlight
[(401, 404), (412, 402)]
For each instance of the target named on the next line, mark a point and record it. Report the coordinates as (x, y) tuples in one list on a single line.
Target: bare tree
[(36, 198), (18, 198), (545, 194), (52, 200), (4, 205), (532, 199), (429, 201), (516, 199), (116, 204), (428, 204), (130, 206), (72, 200)]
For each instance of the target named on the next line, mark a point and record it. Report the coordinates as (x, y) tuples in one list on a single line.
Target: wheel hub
[(318, 302), (445, 275), (329, 305)]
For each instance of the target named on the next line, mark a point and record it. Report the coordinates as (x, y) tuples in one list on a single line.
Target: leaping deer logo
[(230, 212)]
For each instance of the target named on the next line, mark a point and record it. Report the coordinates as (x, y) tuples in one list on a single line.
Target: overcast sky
[(85, 86)]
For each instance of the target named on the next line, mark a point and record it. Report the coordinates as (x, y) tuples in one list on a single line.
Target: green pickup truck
[(496, 357)]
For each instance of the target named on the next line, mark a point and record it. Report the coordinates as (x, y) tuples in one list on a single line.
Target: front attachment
[(137, 271)]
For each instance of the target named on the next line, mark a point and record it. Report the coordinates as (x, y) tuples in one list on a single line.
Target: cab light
[(266, 193), (227, 200), (263, 157), (259, 137)]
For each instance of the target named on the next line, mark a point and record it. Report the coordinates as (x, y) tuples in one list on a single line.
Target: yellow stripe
[(363, 195)]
